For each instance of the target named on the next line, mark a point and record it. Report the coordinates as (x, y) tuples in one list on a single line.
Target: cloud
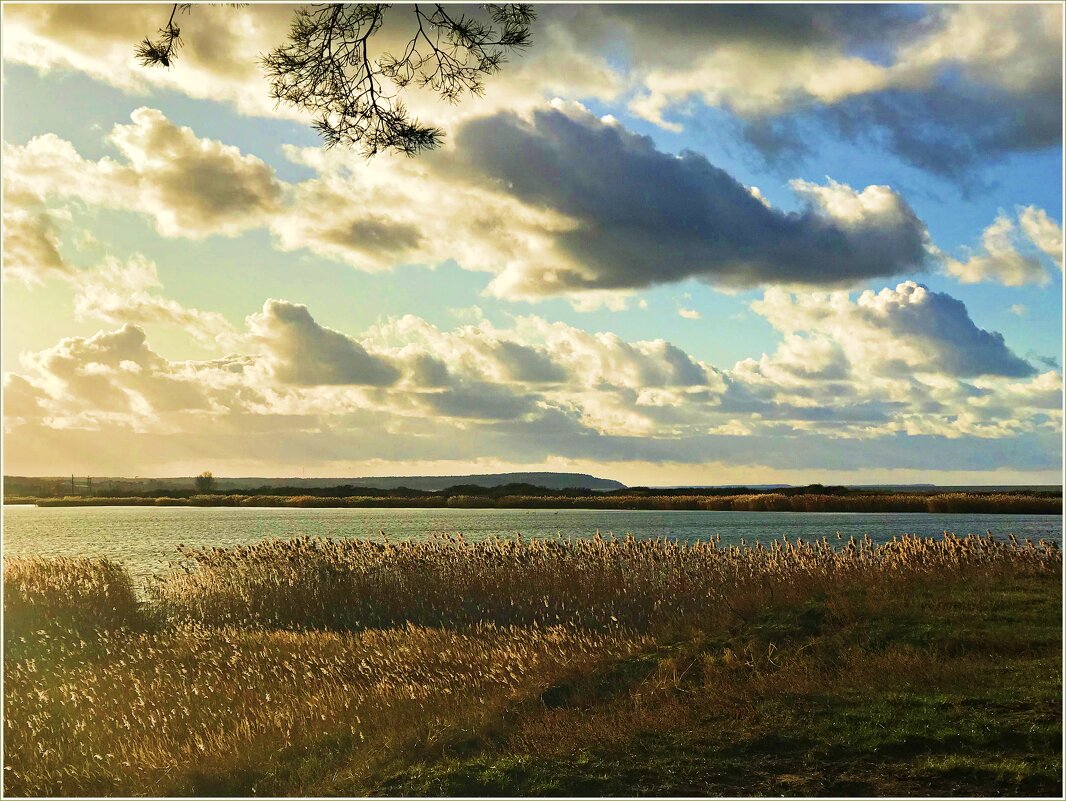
[(688, 314), (31, 246), (627, 216), (22, 401), (113, 291), (1043, 232), (118, 292), (644, 217), (478, 226), (191, 187), (223, 45), (219, 60), (943, 88), (900, 331), (845, 374), (111, 375), (195, 187), (751, 79), (998, 260), (304, 352), (1001, 258)]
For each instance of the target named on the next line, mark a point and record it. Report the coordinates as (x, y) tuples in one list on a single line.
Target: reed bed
[(948, 502), (78, 593), (129, 712), (598, 582)]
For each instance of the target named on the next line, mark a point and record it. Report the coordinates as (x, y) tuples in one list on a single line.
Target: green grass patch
[(952, 689)]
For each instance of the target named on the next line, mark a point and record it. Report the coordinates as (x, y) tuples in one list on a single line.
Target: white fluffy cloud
[(1003, 257), (408, 211), (190, 186), (847, 369), (751, 79), (110, 377), (900, 331), (1043, 232)]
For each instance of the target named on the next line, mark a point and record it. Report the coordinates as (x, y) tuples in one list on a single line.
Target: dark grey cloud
[(947, 129), (654, 34), (647, 217), (971, 105)]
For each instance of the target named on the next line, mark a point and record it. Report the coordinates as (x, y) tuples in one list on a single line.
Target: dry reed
[(79, 593), (352, 584), (164, 713)]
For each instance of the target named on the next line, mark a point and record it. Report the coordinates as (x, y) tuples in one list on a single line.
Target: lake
[(145, 538)]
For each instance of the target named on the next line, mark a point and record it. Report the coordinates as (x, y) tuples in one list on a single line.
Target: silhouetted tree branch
[(162, 50), (326, 67)]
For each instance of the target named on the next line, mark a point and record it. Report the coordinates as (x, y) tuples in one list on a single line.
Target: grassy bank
[(958, 502), (597, 667)]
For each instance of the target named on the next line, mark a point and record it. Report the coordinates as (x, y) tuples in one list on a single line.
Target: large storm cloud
[(646, 217)]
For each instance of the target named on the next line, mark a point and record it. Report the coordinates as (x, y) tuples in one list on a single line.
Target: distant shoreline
[(956, 502)]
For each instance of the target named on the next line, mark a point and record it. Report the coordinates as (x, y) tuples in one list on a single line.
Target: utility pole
[(89, 484), (71, 483)]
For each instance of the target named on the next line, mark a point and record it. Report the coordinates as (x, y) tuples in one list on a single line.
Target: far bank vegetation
[(944, 502)]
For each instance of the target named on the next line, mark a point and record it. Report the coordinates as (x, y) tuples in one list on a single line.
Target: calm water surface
[(145, 538)]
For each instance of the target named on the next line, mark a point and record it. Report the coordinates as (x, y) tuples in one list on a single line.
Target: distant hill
[(556, 481), (14, 485)]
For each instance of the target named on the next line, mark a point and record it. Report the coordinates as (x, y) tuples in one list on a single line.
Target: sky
[(670, 244)]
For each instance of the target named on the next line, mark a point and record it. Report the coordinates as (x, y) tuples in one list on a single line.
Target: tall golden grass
[(184, 711), (351, 584), (73, 592)]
